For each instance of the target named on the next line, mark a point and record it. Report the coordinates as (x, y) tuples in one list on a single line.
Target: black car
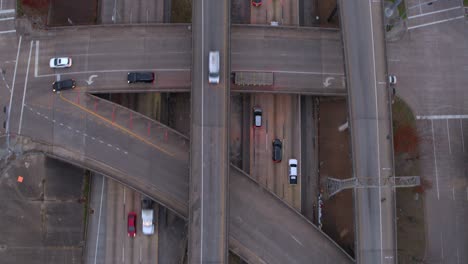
[(277, 150), (140, 77), (63, 85)]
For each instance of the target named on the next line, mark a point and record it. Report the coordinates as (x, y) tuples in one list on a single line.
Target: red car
[(131, 224), (256, 2)]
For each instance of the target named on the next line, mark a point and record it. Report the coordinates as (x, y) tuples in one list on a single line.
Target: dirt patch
[(334, 156), (68, 13), (181, 11), (328, 16), (34, 10), (409, 201)]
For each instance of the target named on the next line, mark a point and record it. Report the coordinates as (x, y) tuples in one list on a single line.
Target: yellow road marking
[(115, 125)]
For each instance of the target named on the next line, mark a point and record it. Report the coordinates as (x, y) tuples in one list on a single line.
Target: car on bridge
[(58, 86), (140, 77), (63, 62)]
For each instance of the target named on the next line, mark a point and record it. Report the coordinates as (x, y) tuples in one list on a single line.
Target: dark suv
[(140, 77), (277, 150), (63, 85)]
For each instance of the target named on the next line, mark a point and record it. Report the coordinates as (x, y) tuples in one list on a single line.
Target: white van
[(213, 61)]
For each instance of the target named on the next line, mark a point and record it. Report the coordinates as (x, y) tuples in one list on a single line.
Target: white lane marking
[(462, 136), (118, 149), (125, 152), (69, 127), (61, 124), (458, 256), (124, 195), (453, 193), (25, 88), (377, 129), (93, 138), (467, 193), (435, 22), (7, 18), (6, 11), (77, 131), (123, 253), (8, 31), (109, 145), (438, 117), (441, 246), (299, 72), (12, 90), (100, 141), (434, 12), (107, 71), (448, 136), (46, 117), (84, 134), (297, 240), (36, 66), (99, 221), (435, 160), (140, 253), (202, 122)]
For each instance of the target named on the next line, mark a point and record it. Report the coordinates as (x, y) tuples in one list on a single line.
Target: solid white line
[(441, 246), (104, 71), (7, 18), (123, 253), (8, 31), (202, 123), (99, 220), (140, 254), (36, 59), (7, 11), (435, 22), (448, 136), (25, 87), (298, 72), (438, 117), (435, 12), (462, 137), (13, 86), (377, 130), (124, 195), (435, 160)]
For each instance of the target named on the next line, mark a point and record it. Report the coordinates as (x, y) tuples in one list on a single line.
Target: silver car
[(63, 62)]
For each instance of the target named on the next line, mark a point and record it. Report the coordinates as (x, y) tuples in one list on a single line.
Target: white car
[(293, 171), (60, 62), (392, 79)]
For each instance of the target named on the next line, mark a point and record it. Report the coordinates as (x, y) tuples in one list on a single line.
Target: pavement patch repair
[(42, 211)]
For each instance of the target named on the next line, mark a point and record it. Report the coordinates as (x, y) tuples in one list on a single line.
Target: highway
[(209, 149), (371, 131), (147, 156), (110, 51)]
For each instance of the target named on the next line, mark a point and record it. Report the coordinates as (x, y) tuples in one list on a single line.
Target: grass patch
[(402, 8), (465, 3), (85, 197), (181, 11), (409, 201), (19, 8)]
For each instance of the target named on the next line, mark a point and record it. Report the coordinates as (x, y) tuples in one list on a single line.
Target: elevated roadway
[(304, 60), (262, 228), (209, 145), (143, 154), (371, 131)]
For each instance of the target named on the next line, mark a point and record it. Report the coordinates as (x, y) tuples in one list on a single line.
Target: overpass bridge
[(303, 60), (152, 158), (144, 154)]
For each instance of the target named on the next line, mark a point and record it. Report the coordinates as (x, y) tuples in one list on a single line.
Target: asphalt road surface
[(209, 149), (369, 106), (280, 120), (107, 239), (306, 60), (152, 158), (435, 88)]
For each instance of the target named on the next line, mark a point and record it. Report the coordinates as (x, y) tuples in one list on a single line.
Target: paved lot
[(42, 216), (431, 65), (132, 12), (426, 13)]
